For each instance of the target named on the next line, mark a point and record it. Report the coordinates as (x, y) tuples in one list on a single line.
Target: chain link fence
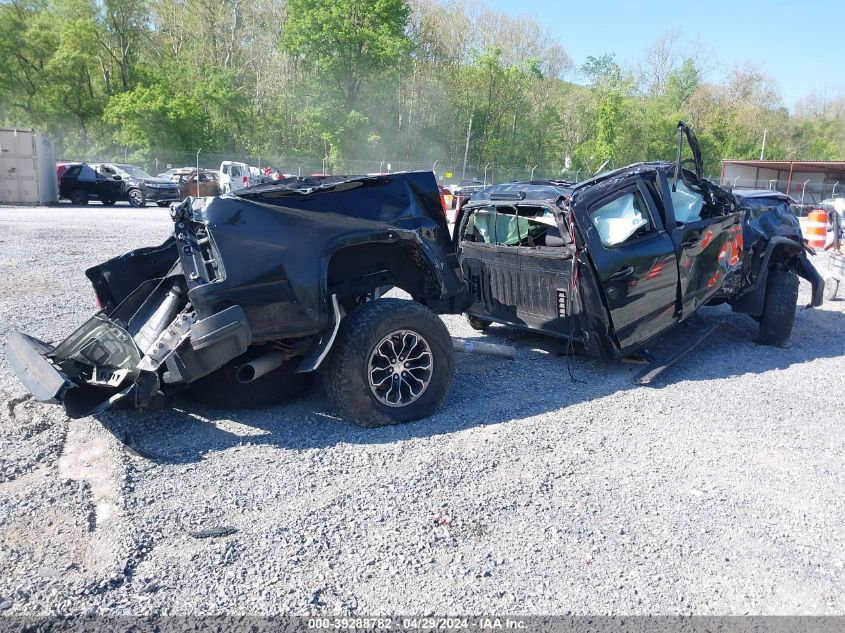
[(447, 172)]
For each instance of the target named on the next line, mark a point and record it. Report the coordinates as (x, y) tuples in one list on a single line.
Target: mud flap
[(806, 270)]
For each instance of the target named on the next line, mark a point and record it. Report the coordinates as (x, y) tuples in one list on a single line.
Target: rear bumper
[(45, 382)]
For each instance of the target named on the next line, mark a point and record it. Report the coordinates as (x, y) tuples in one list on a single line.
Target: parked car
[(80, 182), (613, 261), (467, 187), (138, 186), (273, 174), (233, 176), (255, 293), (60, 169), (190, 185), (837, 204), (171, 173)]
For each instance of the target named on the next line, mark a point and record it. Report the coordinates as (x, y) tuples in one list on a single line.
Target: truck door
[(634, 258), (545, 264), (517, 265), (708, 243), (490, 264)]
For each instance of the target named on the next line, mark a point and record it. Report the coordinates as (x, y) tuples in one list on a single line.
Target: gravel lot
[(718, 491)]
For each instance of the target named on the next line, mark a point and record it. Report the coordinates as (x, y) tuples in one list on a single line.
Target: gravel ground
[(718, 491)]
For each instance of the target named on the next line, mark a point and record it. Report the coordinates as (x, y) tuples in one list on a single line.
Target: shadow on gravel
[(542, 379)]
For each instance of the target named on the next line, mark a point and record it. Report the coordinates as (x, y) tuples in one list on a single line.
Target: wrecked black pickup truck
[(611, 262), (259, 290)]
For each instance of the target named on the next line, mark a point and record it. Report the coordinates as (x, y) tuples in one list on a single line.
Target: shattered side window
[(621, 219), (492, 226), (687, 204), (478, 228), (511, 226)]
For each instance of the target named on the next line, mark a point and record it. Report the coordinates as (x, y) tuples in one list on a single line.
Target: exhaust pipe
[(161, 317), (485, 349), (260, 366)]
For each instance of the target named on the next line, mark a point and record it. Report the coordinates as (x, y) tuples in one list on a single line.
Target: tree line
[(408, 81)]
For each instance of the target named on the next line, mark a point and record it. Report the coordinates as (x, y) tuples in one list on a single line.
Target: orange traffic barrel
[(816, 228)]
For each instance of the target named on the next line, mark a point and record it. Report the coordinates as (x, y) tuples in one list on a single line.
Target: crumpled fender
[(751, 302)]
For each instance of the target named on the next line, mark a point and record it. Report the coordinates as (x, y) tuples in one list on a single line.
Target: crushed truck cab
[(616, 260)]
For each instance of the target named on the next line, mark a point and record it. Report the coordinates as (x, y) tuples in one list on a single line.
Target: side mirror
[(116, 177)]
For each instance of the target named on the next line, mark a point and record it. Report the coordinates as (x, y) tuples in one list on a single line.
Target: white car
[(233, 176)]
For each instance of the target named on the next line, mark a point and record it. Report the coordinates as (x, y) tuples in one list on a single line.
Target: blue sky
[(801, 44)]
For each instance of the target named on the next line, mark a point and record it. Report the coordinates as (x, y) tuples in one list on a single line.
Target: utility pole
[(466, 149), (763, 149)]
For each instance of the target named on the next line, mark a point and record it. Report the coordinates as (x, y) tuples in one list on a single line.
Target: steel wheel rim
[(400, 368)]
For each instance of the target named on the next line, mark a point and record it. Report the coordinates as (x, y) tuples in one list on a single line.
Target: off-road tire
[(162, 203), (222, 389), (108, 203), (79, 197), (778, 308), (345, 373), (136, 198), (477, 323)]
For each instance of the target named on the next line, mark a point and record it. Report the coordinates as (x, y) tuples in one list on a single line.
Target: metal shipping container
[(27, 168)]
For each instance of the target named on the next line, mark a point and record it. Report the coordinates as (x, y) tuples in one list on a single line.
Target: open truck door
[(705, 225)]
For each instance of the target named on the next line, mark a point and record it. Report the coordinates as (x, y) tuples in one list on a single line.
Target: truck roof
[(528, 190)]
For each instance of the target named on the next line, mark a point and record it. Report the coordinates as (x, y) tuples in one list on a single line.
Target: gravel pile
[(718, 491)]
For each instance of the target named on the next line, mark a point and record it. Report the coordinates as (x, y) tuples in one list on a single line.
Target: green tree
[(682, 83), (349, 42), (152, 118)]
